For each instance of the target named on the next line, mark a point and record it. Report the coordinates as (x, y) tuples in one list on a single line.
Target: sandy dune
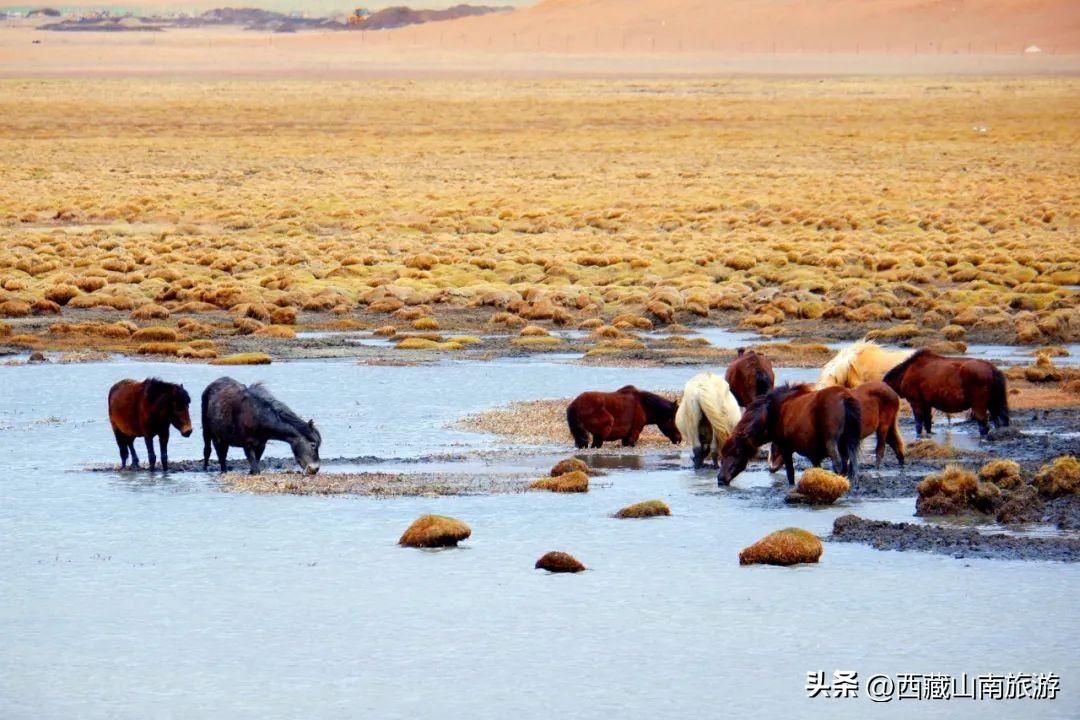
[(603, 37)]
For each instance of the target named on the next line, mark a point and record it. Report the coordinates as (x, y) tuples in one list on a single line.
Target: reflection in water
[(125, 593)]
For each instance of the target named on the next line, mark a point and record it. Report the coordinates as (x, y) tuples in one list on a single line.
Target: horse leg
[(981, 414), (789, 467), (839, 464), (896, 443), (206, 450), (928, 419), (163, 440), (606, 423), (122, 442), (879, 450), (150, 451), (253, 462), (259, 450), (134, 457), (916, 412), (631, 439), (222, 450)]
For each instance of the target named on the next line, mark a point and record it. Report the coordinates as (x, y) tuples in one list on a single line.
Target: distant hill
[(400, 16)]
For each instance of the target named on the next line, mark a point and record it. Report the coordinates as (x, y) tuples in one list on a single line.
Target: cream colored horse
[(707, 414), (861, 362)]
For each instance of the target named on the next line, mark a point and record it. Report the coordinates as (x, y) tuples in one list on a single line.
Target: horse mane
[(155, 388), (898, 371), (857, 363), (654, 403), (707, 394), (282, 411), (837, 370)]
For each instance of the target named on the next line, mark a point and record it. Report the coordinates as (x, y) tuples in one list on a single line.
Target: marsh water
[(138, 595)]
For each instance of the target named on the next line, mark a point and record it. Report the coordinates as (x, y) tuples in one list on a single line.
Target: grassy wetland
[(199, 219)]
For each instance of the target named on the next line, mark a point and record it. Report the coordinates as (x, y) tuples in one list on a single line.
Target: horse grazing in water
[(749, 375), (880, 410), (145, 409), (235, 415), (797, 419), (707, 414), (930, 381), (620, 415), (861, 362)]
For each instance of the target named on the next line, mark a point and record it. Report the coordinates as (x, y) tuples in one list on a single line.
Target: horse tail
[(999, 399), (581, 436), (851, 436)]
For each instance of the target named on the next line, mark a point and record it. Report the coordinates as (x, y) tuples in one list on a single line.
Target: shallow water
[(138, 595)]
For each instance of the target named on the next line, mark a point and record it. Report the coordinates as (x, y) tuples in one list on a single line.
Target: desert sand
[(600, 37)]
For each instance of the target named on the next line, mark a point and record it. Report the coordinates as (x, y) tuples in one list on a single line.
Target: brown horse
[(749, 375), (620, 415), (797, 419), (145, 409), (929, 381), (880, 407)]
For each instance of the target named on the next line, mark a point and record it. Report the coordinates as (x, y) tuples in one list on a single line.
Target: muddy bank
[(957, 542), (374, 484)]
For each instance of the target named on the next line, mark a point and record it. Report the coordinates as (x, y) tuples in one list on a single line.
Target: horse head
[(305, 446), (171, 402)]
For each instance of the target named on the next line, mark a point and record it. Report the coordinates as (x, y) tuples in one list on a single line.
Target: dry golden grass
[(559, 562), (1060, 477), (647, 509), (571, 482), (948, 492), (274, 199), (927, 449), (250, 358), (569, 465), (1005, 474), (789, 546), (429, 531), (819, 486)]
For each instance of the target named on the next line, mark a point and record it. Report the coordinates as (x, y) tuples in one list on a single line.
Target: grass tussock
[(571, 482), (927, 449), (821, 487), (432, 531), (559, 562), (647, 509), (949, 492), (1006, 474), (569, 465), (1059, 477), (249, 358), (791, 546), (935, 258)]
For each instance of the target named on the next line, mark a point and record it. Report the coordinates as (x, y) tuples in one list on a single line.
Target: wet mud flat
[(954, 541)]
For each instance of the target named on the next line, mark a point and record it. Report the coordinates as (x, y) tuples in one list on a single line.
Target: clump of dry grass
[(569, 465), (1059, 477), (949, 492), (559, 562), (571, 482), (790, 546), (248, 358), (646, 509), (1005, 474), (431, 531), (821, 487), (155, 333), (542, 342), (158, 348), (927, 449), (150, 311)]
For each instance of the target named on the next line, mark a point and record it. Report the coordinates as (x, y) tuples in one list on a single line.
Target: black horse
[(247, 416)]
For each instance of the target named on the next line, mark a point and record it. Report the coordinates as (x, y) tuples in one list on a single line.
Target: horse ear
[(741, 351), (311, 423)]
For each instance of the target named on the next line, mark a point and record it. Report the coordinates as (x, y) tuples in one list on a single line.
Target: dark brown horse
[(879, 407), (749, 375), (146, 409), (248, 416), (620, 415), (931, 382), (817, 424)]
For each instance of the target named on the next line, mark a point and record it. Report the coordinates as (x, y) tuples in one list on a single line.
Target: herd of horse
[(726, 420)]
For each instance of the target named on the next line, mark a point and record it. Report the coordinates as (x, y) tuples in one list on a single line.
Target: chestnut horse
[(797, 419), (880, 408), (145, 409), (930, 381), (620, 415), (749, 375)]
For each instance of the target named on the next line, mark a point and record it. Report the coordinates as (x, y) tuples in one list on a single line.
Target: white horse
[(861, 362), (707, 414)]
